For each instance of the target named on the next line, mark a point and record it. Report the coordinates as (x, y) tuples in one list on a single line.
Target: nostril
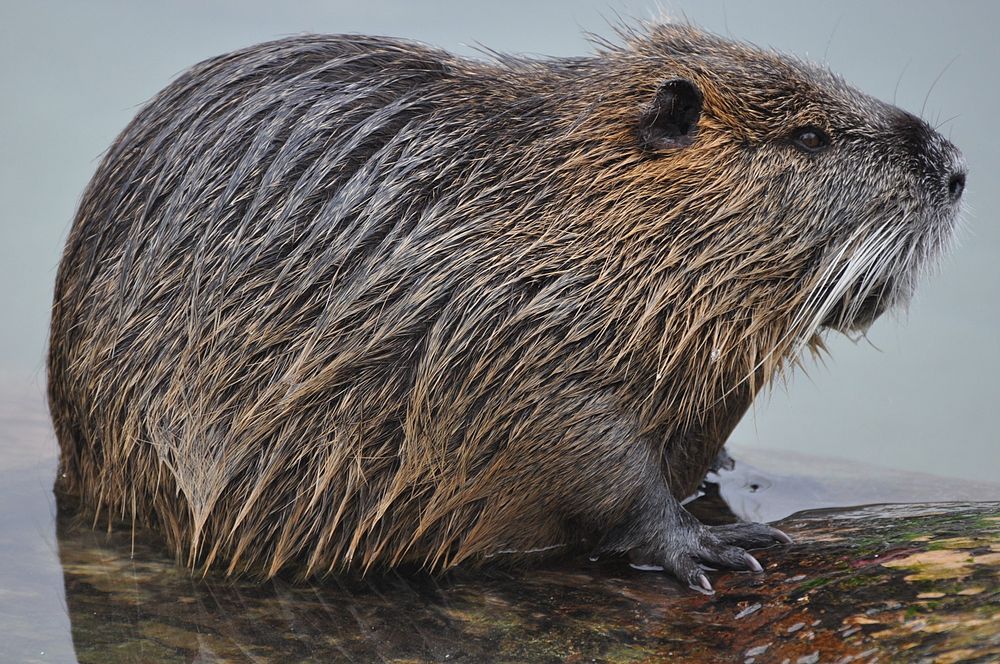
[(956, 185)]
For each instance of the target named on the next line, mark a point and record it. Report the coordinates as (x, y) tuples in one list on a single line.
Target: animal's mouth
[(881, 271), (857, 310)]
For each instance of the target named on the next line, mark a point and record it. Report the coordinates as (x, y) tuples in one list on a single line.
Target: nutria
[(345, 302)]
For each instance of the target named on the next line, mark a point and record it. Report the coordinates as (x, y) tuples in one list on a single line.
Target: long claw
[(782, 537), (704, 587), (755, 566)]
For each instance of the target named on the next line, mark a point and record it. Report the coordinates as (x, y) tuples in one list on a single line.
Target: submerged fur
[(338, 302)]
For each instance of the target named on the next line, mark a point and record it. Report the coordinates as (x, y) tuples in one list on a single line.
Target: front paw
[(686, 551)]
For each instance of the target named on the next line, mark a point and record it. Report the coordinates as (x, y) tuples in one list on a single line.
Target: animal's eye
[(810, 139)]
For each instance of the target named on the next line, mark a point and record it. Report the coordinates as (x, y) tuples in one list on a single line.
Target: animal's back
[(271, 320)]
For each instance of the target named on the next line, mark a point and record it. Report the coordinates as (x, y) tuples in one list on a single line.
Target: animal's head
[(794, 194), (761, 200)]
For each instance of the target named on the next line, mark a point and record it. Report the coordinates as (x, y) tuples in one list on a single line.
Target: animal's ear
[(671, 120)]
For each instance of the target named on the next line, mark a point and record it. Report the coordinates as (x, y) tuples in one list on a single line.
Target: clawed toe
[(750, 535), (688, 571)]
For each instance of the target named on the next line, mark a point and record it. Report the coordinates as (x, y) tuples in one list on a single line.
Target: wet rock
[(899, 582)]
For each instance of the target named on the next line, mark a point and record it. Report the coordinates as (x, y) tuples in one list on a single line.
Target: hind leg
[(579, 468)]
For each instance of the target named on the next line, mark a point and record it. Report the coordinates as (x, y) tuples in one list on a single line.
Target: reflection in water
[(127, 599), (144, 608)]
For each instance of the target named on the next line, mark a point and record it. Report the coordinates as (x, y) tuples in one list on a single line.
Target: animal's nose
[(938, 162), (951, 167), (956, 184)]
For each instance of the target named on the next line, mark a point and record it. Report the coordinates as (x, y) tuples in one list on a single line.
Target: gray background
[(73, 73)]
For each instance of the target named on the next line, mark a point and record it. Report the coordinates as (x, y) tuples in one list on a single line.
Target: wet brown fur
[(346, 302)]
